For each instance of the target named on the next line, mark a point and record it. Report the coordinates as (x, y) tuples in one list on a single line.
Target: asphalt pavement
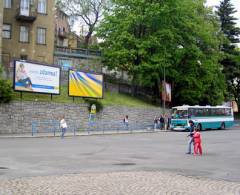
[(133, 163)]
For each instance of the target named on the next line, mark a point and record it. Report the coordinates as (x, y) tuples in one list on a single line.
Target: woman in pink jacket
[(197, 142)]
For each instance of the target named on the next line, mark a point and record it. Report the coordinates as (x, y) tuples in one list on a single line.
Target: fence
[(53, 127)]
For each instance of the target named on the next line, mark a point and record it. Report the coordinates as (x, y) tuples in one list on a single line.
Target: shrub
[(5, 91), (99, 105)]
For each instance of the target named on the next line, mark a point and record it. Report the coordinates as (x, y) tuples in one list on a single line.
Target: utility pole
[(164, 90)]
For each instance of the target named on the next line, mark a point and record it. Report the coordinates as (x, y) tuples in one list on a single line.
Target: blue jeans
[(63, 132), (190, 142)]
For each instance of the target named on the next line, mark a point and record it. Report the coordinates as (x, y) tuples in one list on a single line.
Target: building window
[(41, 35), (23, 57), (7, 31), (7, 3), (42, 6), (24, 34)]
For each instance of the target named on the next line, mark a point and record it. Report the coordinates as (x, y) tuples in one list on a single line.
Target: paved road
[(146, 163)]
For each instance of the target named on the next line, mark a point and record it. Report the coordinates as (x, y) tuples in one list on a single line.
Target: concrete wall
[(17, 117)]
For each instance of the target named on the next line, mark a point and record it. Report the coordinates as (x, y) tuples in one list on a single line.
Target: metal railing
[(52, 127), (77, 51)]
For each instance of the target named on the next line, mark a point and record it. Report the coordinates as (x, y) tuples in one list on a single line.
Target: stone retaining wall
[(17, 117)]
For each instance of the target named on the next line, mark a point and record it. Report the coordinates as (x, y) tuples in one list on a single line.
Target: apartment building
[(62, 28), (1, 25), (28, 30)]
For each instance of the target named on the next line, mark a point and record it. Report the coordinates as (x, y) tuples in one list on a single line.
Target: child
[(197, 142)]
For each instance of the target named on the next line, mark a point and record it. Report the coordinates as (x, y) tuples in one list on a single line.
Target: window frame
[(38, 28), (5, 4), (28, 30), (46, 7), (10, 31)]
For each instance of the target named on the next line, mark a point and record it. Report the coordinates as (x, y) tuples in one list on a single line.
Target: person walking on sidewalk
[(63, 126), (190, 135)]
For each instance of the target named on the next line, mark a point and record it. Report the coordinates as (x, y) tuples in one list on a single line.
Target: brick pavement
[(117, 183)]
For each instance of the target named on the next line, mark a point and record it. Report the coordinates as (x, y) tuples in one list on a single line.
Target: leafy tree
[(89, 11), (5, 89), (145, 37), (230, 60)]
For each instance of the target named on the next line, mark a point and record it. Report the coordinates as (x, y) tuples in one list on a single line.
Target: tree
[(230, 60), (145, 37), (88, 11), (5, 89)]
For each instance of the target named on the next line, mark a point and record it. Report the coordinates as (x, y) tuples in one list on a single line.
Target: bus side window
[(227, 111)]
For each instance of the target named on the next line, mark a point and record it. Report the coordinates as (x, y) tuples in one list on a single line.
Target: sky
[(236, 4)]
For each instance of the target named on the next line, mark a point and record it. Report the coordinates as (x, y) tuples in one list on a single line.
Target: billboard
[(166, 93), (36, 78), (82, 84)]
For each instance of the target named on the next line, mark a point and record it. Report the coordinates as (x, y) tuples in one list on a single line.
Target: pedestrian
[(197, 142), (125, 122), (190, 135), (63, 126), (162, 122), (155, 122), (168, 121)]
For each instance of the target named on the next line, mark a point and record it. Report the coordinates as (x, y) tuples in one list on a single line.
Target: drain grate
[(3, 168), (124, 164)]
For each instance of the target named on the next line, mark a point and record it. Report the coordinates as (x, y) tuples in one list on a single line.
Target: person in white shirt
[(63, 126), (125, 122)]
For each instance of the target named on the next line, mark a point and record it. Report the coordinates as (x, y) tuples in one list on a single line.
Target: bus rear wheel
[(199, 126), (222, 126)]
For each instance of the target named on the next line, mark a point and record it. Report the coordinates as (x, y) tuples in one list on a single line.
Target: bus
[(204, 117)]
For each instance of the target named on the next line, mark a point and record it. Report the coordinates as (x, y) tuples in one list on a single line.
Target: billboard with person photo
[(83, 84), (166, 92), (36, 78)]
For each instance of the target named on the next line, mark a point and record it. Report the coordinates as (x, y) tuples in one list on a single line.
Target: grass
[(109, 98)]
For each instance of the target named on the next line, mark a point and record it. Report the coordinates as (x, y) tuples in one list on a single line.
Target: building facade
[(28, 30), (62, 28), (1, 26)]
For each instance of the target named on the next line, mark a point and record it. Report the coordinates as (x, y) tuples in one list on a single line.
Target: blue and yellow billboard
[(82, 84)]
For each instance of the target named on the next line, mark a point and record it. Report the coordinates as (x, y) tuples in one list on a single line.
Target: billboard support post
[(21, 95), (51, 96)]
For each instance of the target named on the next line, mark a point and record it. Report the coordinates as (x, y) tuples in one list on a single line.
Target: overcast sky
[(236, 4)]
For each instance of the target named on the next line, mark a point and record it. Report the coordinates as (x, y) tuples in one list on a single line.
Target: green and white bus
[(204, 117)]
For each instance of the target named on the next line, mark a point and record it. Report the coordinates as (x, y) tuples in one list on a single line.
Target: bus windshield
[(179, 113)]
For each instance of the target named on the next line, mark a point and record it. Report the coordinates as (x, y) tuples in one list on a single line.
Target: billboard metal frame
[(94, 73), (35, 63)]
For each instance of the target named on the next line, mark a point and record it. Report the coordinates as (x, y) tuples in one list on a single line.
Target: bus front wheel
[(199, 126), (222, 126)]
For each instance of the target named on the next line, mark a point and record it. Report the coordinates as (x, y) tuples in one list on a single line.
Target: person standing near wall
[(162, 122), (63, 126), (125, 122)]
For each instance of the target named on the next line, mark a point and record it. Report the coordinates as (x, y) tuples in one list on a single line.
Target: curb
[(85, 134)]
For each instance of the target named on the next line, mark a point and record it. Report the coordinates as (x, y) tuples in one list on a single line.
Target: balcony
[(77, 53), (26, 15), (62, 34)]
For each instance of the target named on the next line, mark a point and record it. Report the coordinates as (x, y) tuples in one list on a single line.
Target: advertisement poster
[(82, 84), (36, 78), (166, 92)]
